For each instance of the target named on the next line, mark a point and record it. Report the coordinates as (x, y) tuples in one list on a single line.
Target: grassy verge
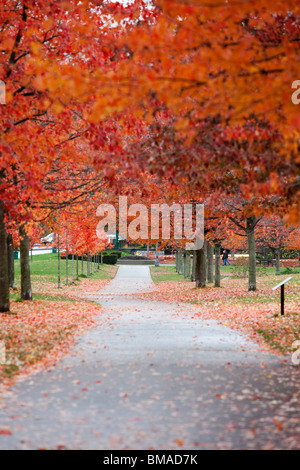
[(46, 266), (165, 273), (281, 335)]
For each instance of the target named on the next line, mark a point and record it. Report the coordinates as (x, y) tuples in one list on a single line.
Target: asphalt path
[(152, 376)]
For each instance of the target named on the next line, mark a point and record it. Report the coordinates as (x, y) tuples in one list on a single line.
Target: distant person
[(225, 257)]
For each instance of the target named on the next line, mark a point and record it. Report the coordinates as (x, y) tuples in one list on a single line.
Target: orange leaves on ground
[(37, 333), (256, 314)]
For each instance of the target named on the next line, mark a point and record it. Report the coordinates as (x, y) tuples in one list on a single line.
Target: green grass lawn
[(46, 266), (168, 273), (165, 273)]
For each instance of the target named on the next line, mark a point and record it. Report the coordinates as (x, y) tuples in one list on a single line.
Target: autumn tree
[(275, 235)]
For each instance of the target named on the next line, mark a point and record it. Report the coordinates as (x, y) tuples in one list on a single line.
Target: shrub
[(110, 259), (117, 253)]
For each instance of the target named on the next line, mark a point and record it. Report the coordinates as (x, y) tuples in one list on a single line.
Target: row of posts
[(93, 262)]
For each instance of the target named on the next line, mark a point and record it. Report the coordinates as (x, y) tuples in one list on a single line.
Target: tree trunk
[(200, 269), (193, 273), (4, 283), (278, 261), (217, 266), (26, 293), (77, 268), (176, 262), (73, 269), (11, 261), (205, 258), (210, 263), (58, 263), (187, 264), (252, 253), (67, 260), (181, 262), (156, 256)]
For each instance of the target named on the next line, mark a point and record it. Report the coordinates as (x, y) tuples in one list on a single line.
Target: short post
[(281, 285), (282, 299)]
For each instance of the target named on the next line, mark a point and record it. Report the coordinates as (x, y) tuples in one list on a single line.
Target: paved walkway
[(152, 377)]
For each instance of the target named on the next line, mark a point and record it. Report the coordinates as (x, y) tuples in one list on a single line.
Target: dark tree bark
[(217, 266), (193, 273), (180, 262), (67, 260), (73, 269), (210, 263), (187, 265), (58, 263), (26, 293), (200, 273), (251, 223), (4, 283), (11, 261)]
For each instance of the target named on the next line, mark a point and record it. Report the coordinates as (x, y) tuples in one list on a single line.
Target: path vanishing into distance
[(150, 376)]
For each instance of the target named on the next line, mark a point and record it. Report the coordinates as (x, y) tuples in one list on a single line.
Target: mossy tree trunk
[(26, 293), (67, 259), (4, 283), (176, 261), (11, 261), (251, 223), (73, 268), (180, 262), (200, 269), (58, 263), (217, 265), (187, 264), (249, 229), (210, 263), (193, 273)]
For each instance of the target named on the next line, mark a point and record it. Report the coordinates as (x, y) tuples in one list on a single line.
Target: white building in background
[(48, 238)]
